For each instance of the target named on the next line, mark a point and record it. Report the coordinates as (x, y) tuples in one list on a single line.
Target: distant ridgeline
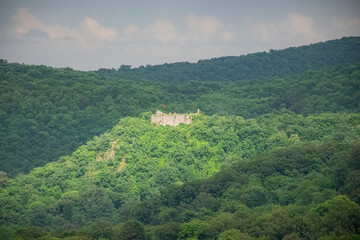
[(174, 119), (275, 63)]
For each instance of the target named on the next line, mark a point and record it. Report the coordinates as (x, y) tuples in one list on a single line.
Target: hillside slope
[(136, 160), (289, 193), (278, 63), (46, 113)]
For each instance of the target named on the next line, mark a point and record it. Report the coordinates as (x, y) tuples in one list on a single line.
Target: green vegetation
[(46, 113), (276, 63), (274, 154), (124, 174)]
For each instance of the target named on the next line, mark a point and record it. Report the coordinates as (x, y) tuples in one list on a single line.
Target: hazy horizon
[(88, 35)]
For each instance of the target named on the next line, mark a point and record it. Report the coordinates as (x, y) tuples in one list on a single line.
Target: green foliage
[(252, 66), (193, 229), (131, 230), (46, 113), (3, 179), (185, 182), (234, 234), (31, 233), (287, 168), (335, 214), (167, 231), (339, 216), (101, 229), (96, 203)]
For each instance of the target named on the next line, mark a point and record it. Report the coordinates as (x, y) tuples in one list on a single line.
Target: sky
[(92, 34)]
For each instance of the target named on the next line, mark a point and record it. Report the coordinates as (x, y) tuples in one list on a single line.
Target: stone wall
[(174, 119)]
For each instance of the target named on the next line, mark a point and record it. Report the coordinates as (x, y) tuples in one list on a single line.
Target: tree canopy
[(274, 154)]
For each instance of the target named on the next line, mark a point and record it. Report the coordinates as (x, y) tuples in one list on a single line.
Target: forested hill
[(277, 157), (46, 113), (252, 66), (276, 170)]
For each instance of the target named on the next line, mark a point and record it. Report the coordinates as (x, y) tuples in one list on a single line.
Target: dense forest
[(50, 112), (274, 154), (275, 63), (274, 164)]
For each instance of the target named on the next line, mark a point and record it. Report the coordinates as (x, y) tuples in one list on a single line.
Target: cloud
[(163, 31), (158, 41), (295, 26), (92, 28), (302, 26), (207, 28), (131, 30), (26, 23), (205, 25), (162, 41), (61, 32), (227, 36), (266, 32), (199, 29)]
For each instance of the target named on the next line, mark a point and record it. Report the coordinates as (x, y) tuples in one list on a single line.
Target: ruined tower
[(174, 119)]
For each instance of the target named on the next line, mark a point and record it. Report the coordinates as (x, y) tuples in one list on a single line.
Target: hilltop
[(275, 63), (135, 162), (46, 113), (273, 154)]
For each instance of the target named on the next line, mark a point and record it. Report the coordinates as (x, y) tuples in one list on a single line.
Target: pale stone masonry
[(174, 119)]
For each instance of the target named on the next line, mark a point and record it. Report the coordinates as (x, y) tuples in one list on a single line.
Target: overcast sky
[(90, 34)]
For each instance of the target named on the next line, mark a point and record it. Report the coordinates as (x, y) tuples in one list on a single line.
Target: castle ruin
[(174, 119)]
